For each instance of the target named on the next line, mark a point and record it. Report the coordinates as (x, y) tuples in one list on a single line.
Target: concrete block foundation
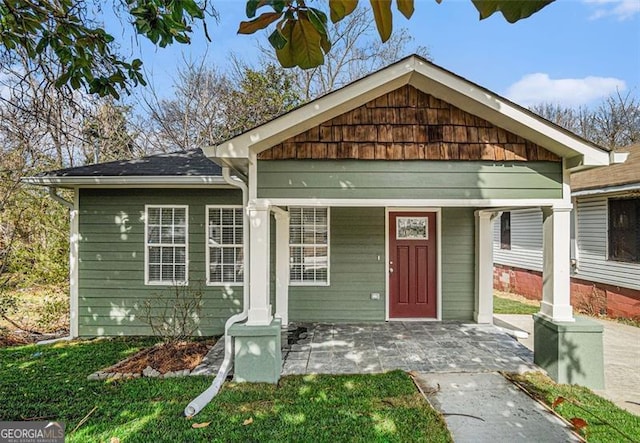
[(570, 352), (258, 355)]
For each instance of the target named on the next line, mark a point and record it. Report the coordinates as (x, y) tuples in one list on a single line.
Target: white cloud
[(540, 88), (622, 9)]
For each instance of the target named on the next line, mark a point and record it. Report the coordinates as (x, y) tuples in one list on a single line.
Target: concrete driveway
[(621, 358)]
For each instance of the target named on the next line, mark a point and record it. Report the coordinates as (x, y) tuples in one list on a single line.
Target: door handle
[(390, 270)]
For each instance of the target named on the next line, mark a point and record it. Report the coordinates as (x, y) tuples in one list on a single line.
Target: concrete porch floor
[(347, 348), (340, 348)]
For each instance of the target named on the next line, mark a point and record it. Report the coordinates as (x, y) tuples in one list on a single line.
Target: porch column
[(556, 270), (282, 266), (259, 306), (483, 312)]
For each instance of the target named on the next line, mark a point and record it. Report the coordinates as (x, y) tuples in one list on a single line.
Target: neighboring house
[(371, 203), (605, 242)]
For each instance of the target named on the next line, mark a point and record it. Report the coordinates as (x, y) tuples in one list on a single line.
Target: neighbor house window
[(505, 230), (166, 247), (624, 230), (309, 246), (225, 264)]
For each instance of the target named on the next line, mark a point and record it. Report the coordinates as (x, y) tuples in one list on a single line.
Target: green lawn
[(507, 306), (605, 421), (49, 383)]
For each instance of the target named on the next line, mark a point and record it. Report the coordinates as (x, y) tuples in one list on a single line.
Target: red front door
[(412, 265)]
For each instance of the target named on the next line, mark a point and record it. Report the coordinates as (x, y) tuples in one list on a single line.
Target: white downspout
[(203, 399)]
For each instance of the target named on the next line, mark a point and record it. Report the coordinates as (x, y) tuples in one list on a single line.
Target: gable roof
[(182, 167), (627, 173), (431, 79)]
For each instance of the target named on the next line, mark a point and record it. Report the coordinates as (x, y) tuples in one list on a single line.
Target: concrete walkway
[(488, 408), (621, 358)]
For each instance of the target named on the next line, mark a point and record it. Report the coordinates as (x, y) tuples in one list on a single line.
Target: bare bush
[(176, 317)]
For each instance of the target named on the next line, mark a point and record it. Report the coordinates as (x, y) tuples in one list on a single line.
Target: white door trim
[(438, 212)]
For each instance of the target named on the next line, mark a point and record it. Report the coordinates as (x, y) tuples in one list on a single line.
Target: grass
[(503, 305), (606, 421), (49, 382)]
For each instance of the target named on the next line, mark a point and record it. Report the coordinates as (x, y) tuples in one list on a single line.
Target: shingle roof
[(614, 175), (182, 163)]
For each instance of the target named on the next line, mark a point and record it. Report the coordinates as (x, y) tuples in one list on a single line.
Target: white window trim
[(208, 250), (146, 247), (314, 283)]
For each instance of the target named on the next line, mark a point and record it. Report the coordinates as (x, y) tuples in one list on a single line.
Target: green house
[(372, 203)]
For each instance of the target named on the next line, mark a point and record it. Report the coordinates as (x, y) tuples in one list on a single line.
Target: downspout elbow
[(53, 192)]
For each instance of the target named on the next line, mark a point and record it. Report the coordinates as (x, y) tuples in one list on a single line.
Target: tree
[(107, 135), (209, 106), (614, 123), (302, 34), (355, 53), (67, 34)]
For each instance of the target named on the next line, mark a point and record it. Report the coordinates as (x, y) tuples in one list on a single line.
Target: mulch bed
[(165, 357)]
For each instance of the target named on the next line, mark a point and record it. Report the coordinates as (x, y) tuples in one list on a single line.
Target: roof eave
[(627, 187)]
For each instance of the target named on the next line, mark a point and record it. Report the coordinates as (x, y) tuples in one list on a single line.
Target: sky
[(572, 52)]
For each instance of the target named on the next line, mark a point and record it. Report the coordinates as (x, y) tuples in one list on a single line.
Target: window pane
[(180, 216), (180, 255), (166, 234), (295, 234), (180, 235), (153, 216), (238, 212), (154, 272), (166, 216), (154, 254), (180, 273), (214, 216), (167, 272), (153, 234), (227, 235), (167, 255)]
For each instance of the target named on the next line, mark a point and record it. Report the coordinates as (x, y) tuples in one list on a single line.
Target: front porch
[(348, 348)]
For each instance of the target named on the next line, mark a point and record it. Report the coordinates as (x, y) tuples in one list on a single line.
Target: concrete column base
[(570, 352), (258, 354)]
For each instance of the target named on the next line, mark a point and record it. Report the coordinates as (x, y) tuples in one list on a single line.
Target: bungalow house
[(372, 203), (605, 242)]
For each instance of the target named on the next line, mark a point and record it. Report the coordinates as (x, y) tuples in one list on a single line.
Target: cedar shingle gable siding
[(407, 124)]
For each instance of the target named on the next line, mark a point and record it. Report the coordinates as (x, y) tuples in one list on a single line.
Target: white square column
[(259, 303), (483, 312), (556, 268), (282, 266)]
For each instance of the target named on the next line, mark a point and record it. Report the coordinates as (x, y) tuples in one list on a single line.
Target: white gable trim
[(430, 79)]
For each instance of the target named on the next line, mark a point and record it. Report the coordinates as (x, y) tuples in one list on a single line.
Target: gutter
[(203, 399)]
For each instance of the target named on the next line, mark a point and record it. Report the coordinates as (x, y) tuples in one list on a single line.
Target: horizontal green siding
[(357, 239), (111, 260), (458, 265), (408, 179)]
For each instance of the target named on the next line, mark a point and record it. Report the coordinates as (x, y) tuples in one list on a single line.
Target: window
[(166, 244), (309, 246), (624, 230), (225, 263), (505, 230)]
